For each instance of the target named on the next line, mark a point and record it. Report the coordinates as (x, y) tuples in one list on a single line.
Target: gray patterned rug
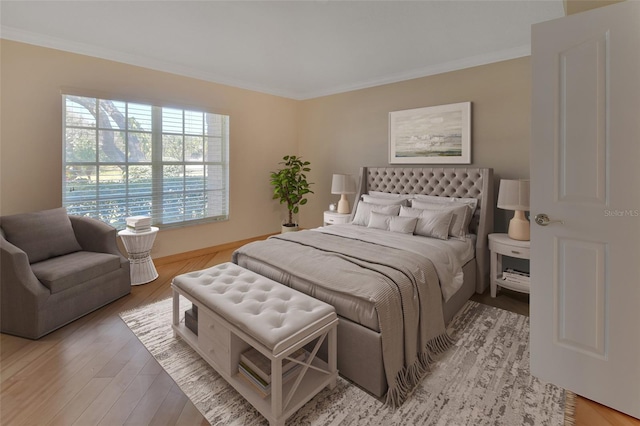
[(482, 380)]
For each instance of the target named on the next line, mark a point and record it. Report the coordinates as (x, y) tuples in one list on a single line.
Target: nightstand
[(501, 245), (334, 218)]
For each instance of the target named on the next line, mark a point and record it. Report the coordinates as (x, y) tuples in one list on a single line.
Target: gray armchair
[(55, 269)]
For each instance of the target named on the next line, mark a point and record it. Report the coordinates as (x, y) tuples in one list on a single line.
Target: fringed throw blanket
[(402, 285)]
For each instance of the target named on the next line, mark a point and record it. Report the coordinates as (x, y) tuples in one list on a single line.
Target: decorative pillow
[(403, 225), (41, 235), (461, 216), (430, 223), (384, 200), (472, 202), (363, 210)]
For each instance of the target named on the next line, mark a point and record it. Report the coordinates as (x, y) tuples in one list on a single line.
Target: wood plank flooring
[(94, 371)]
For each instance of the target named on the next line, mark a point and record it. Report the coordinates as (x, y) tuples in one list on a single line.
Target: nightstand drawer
[(510, 249), (333, 218)]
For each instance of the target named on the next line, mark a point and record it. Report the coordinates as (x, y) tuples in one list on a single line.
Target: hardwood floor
[(94, 371)]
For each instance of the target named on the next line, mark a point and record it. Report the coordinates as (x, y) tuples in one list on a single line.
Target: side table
[(501, 245), (138, 246), (333, 218)]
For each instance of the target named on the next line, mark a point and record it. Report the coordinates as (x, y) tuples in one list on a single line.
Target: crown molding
[(28, 37), (41, 40), (460, 64)]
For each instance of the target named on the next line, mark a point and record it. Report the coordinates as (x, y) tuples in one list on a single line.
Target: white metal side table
[(138, 246)]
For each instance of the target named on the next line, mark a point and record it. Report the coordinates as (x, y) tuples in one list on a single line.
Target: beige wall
[(337, 133), (262, 128), (342, 132), (576, 6)]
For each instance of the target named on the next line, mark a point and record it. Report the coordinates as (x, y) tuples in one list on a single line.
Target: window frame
[(213, 186)]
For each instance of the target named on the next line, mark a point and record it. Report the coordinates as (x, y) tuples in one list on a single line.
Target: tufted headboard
[(463, 182)]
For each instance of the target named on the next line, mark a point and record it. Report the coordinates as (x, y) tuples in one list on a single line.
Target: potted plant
[(290, 186)]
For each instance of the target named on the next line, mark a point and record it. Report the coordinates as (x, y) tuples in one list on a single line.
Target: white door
[(585, 172)]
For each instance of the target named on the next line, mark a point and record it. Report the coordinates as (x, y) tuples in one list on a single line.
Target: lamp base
[(343, 204), (519, 228)]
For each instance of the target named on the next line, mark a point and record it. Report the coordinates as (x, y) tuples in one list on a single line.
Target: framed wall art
[(431, 135)]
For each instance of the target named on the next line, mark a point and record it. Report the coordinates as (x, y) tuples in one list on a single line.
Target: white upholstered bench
[(238, 308)]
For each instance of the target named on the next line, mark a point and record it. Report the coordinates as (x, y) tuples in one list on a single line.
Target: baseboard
[(206, 251)]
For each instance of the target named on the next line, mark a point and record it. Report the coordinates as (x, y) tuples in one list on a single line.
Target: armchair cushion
[(63, 272), (41, 235)]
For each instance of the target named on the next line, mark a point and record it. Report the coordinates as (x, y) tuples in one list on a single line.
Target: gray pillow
[(431, 223), (41, 235), (363, 210), (461, 216), (403, 225), (471, 202), (385, 201)]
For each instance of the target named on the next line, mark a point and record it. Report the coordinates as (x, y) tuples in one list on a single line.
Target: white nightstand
[(334, 218), (501, 245)]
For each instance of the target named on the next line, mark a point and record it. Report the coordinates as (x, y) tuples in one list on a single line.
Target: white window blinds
[(125, 159)]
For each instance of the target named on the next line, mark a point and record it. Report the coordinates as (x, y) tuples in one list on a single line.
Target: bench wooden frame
[(220, 343)]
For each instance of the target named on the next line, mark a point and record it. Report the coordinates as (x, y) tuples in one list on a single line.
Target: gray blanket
[(403, 286)]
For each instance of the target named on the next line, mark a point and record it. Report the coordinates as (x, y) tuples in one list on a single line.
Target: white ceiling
[(296, 49)]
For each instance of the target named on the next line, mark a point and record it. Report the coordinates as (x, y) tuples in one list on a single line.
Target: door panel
[(585, 172), (581, 296), (583, 120)]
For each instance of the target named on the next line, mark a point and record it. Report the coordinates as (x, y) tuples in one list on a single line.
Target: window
[(125, 159)]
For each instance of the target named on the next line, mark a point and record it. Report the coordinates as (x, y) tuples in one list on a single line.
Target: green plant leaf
[(290, 183)]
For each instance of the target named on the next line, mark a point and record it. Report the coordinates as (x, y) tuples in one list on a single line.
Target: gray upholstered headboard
[(463, 182)]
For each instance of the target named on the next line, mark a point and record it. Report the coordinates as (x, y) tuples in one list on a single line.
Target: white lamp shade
[(343, 184), (514, 194)]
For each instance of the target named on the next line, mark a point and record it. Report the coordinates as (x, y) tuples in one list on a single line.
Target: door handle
[(543, 220)]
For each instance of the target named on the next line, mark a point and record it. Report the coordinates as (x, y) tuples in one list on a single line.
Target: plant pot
[(289, 227)]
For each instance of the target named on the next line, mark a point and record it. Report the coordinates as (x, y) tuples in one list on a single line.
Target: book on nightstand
[(514, 276)]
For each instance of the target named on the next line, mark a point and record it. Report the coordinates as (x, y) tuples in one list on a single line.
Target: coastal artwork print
[(439, 134)]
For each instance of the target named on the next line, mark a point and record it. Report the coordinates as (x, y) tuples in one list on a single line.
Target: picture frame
[(431, 135)]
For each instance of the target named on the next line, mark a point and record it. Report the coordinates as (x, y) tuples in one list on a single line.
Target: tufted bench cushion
[(272, 313)]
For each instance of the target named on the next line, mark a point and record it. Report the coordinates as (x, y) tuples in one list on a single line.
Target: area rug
[(483, 379)]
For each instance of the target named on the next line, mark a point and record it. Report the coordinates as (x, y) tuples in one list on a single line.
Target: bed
[(392, 296)]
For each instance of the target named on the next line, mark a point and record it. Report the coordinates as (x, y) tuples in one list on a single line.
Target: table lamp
[(343, 185), (514, 195)]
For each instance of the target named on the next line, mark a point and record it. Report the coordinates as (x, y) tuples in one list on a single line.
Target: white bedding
[(448, 256)]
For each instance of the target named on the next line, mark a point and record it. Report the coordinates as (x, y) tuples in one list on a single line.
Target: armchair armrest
[(94, 235), (17, 277)]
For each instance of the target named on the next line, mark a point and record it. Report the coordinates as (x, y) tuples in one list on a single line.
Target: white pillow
[(403, 225), (430, 223), (384, 200), (472, 202), (461, 216), (381, 194), (363, 210)]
